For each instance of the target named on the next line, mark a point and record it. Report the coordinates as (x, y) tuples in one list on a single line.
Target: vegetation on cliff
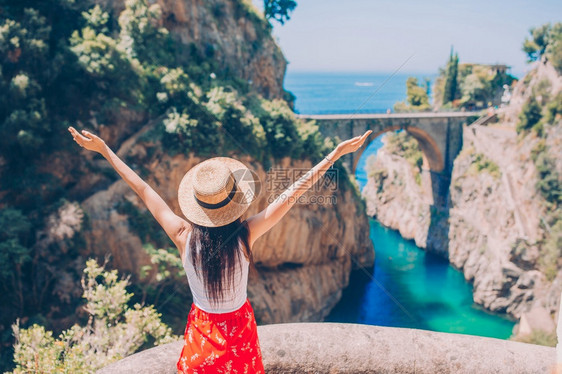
[(504, 217), (417, 97), (469, 85), (280, 10), (545, 41), (451, 79), (404, 145), (113, 330), (69, 62), (540, 119)]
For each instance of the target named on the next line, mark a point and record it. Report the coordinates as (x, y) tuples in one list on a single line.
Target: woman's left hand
[(352, 145), (87, 140)]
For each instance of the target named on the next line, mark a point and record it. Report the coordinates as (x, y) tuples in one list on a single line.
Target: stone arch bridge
[(438, 134)]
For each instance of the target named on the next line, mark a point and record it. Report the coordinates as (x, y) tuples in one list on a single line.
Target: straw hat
[(217, 191)]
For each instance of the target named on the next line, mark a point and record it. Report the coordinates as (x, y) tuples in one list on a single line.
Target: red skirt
[(221, 342)]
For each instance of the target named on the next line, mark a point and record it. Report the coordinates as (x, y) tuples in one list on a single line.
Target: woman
[(215, 249)]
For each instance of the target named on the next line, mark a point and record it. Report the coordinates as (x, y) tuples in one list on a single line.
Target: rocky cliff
[(205, 76), (395, 198), (305, 261), (234, 34), (499, 221)]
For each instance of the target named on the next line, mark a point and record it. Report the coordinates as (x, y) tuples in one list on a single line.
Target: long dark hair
[(219, 255)]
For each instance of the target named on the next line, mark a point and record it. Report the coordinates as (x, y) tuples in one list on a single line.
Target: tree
[(24, 47), (536, 46), (451, 84), (279, 9), (545, 40), (417, 96), (14, 227), (554, 48)]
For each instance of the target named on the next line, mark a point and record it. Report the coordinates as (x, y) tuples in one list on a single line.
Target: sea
[(408, 286)]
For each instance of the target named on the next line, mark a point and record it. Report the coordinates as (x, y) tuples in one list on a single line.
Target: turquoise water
[(408, 287), (415, 289), (412, 288)]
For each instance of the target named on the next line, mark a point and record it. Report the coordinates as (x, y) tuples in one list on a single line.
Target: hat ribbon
[(221, 203)]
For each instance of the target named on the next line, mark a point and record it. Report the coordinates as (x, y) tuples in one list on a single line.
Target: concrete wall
[(349, 348)]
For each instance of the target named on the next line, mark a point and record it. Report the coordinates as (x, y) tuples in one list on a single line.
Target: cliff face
[(232, 33), (495, 223), (497, 218), (395, 199), (304, 262)]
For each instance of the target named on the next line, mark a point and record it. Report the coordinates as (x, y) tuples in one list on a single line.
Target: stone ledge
[(350, 348)]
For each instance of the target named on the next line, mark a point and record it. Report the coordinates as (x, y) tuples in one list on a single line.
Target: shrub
[(240, 127), (113, 330), (554, 109), (548, 183), (281, 132), (483, 163), (417, 97), (546, 40), (530, 115)]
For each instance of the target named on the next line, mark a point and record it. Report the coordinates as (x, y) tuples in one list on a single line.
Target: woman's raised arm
[(262, 222), (176, 227)]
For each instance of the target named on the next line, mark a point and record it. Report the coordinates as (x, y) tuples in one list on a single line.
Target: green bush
[(549, 183), (530, 115), (241, 128), (538, 149), (554, 109), (417, 97), (113, 331), (482, 163), (280, 126), (546, 40), (15, 252)]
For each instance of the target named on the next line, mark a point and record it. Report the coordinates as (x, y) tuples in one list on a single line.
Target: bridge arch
[(432, 156), (438, 134)]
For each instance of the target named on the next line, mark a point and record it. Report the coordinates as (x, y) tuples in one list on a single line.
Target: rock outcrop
[(233, 33), (494, 216), (347, 348), (394, 197)]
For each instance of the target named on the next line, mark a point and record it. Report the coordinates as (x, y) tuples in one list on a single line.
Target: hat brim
[(245, 194)]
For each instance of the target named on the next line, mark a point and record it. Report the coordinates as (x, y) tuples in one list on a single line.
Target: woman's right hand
[(351, 145), (87, 140)]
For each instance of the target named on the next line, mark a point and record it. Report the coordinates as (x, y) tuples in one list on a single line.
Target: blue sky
[(380, 35)]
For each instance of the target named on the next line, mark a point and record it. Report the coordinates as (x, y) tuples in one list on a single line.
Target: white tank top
[(234, 297)]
